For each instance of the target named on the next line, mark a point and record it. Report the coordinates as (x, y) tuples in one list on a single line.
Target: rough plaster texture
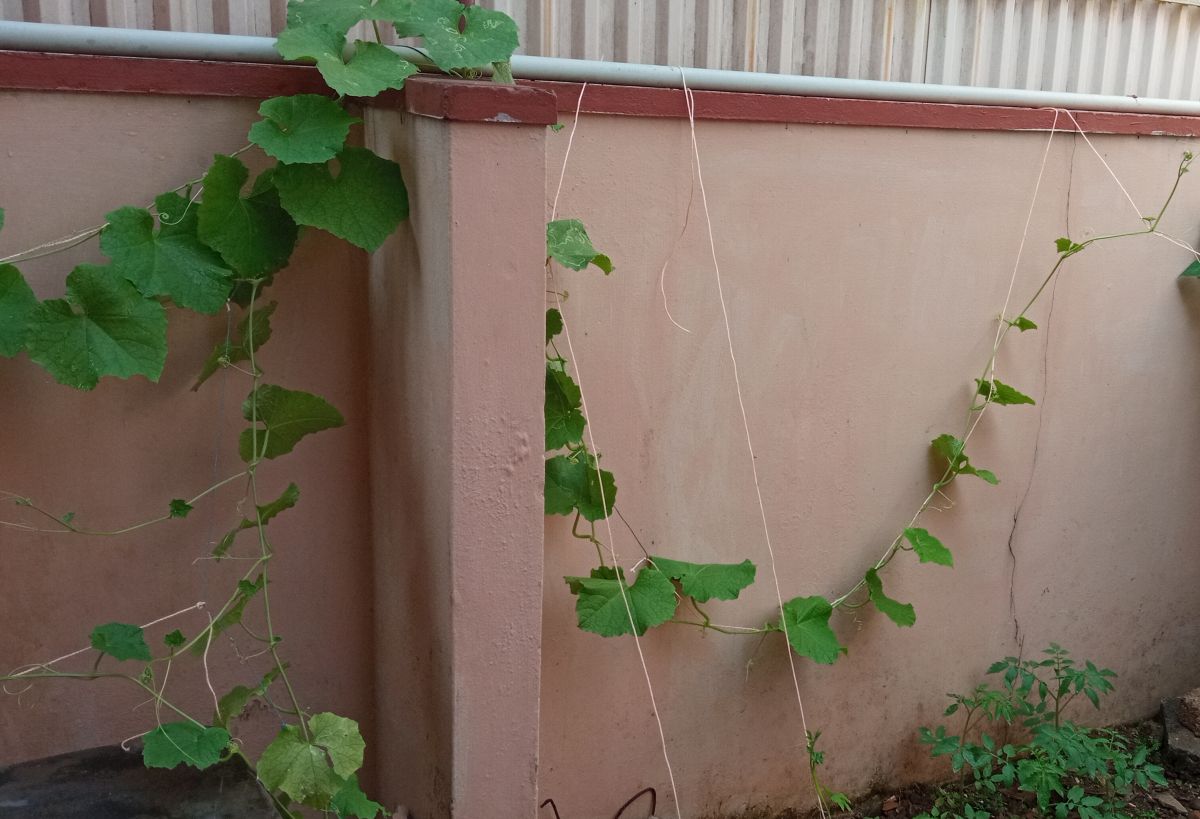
[(457, 327), (863, 268), (118, 455)]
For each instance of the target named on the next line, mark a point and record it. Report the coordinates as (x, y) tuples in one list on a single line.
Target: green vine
[(208, 244), (662, 584)]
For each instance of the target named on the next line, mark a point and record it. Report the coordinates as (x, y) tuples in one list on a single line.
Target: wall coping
[(539, 102)]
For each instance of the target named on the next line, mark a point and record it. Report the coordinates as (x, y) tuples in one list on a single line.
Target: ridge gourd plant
[(608, 605), (573, 485), (215, 241)]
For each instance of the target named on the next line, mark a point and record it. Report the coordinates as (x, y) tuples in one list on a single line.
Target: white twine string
[(193, 607), (762, 509), (603, 501)]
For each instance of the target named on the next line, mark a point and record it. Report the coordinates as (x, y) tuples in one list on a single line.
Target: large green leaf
[(17, 301), (245, 339), (284, 417), (902, 614), (363, 204), (266, 512), (564, 421), (301, 128), (372, 68), (351, 801), (808, 630), (704, 581), (568, 243), (601, 608), (312, 771), (184, 743), (252, 233), (572, 484), (486, 36), (341, 739), (298, 768), (171, 261), (928, 548), (103, 327), (121, 641)]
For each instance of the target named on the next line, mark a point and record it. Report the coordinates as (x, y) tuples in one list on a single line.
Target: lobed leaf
[(951, 449), (171, 261), (1000, 393), (572, 485), (461, 37), (302, 128), (121, 641), (564, 420), (705, 581), (180, 508), (371, 69), (351, 801), (554, 324), (601, 607), (568, 243), (284, 417), (808, 631), (253, 234), (17, 303), (299, 769), (902, 614), (103, 327), (184, 743), (928, 548), (363, 204), (312, 771)]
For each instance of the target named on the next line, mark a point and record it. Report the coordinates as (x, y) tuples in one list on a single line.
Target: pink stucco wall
[(863, 269)]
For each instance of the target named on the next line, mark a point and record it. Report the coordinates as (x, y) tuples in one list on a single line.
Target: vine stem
[(741, 630), (976, 411), (67, 528), (52, 674), (67, 242), (259, 523)]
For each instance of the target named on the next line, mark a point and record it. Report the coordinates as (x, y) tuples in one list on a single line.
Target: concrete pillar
[(456, 379)]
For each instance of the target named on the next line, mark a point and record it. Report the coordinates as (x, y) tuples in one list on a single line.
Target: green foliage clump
[(1072, 771)]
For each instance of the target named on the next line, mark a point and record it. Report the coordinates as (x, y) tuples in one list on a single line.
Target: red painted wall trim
[(138, 75), (744, 107), (530, 103), (474, 101)]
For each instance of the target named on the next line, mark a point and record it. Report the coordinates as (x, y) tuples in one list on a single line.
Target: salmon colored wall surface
[(863, 269)]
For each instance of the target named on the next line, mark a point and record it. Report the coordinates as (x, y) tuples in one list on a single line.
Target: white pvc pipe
[(226, 47)]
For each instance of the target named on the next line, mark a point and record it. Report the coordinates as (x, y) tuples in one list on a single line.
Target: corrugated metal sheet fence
[(1145, 47)]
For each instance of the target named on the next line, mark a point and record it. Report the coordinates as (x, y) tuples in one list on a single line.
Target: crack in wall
[(1018, 634)]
